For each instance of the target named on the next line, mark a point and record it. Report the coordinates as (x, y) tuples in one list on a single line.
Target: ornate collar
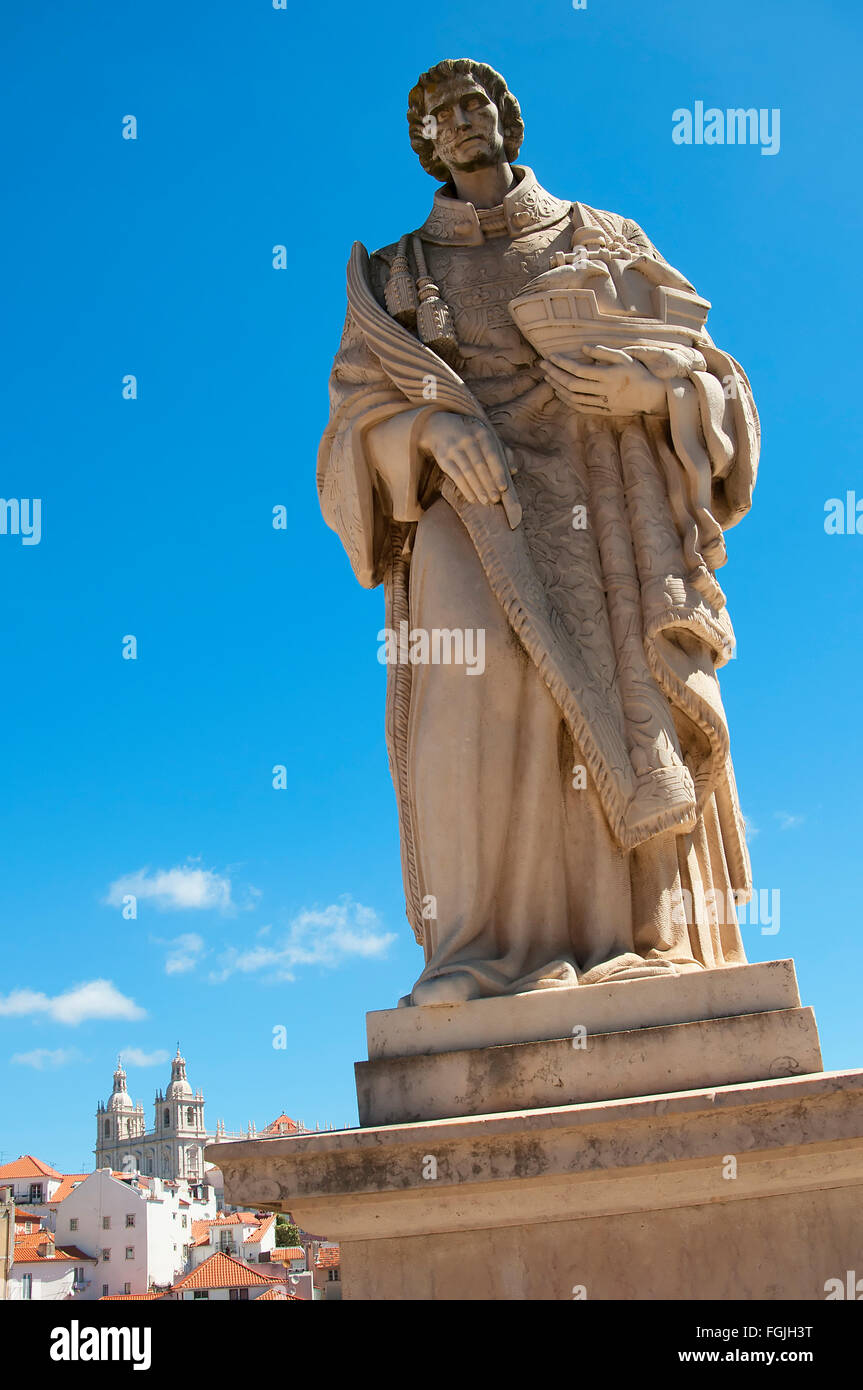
[(526, 207)]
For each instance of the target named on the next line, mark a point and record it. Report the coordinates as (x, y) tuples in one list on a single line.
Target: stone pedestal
[(681, 1143)]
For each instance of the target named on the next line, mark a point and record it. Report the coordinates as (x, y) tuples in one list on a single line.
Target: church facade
[(174, 1146)]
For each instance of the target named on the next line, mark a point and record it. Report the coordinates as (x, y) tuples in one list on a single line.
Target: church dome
[(179, 1088), (120, 1098)]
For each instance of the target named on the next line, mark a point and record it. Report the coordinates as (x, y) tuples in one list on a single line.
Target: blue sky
[(256, 647)]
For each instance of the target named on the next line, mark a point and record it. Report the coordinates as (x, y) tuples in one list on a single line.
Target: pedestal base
[(746, 1190)]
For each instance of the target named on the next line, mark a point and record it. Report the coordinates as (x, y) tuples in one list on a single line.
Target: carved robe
[(569, 814)]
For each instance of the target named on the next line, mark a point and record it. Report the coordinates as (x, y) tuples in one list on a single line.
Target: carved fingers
[(469, 453), (613, 384)]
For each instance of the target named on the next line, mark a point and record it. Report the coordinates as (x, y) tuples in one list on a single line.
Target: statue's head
[(462, 116)]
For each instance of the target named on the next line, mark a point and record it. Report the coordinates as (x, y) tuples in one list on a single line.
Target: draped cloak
[(602, 641)]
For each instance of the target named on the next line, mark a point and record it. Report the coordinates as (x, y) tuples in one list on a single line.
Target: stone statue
[(536, 447)]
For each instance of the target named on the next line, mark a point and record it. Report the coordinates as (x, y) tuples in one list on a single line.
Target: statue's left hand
[(623, 387)]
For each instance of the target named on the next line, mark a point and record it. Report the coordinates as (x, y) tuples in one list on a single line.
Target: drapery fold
[(623, 619)]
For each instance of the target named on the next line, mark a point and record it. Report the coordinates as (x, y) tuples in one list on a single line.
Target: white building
[(41, 1271), (242, 1234), (139, 1231), (31, 1181)]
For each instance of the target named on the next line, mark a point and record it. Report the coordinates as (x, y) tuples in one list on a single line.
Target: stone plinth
[(637, 1038), (552, 1013), (533, 1169)]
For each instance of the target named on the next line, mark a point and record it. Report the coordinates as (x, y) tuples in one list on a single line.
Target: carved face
[(467, 128)]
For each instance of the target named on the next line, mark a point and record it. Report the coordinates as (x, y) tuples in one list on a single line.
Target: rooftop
[(28, 1167), (328, 1257), (221, 1271)]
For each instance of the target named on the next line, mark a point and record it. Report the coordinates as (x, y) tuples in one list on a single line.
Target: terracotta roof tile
[(117, 1297), (32, 1239), (278, 1295), (69, 1183), (29, 1248), (265, 1225), (28, 1167), (288, 1252), (221, 1271), (71, 1252), (200, 1233), (291, 1126), (327, 1258)]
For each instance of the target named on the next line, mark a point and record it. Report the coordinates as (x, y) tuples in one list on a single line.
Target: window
[(130, 1218), (107, 1129), (28, 1227), (35, 1192), (79, 1276), (190, 1115), (333, 1276), (26, 1285), (167, 1118), (106, 1223), (202, 1293), (106, 1255), (238, 1295), (185, 1221), (127, 1288), (186, 1251), (104, 1290), (130, 1252)]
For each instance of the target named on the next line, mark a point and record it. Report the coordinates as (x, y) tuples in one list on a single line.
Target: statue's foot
[(444, 989)]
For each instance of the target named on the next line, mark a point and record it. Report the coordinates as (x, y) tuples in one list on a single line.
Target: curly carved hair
[(495, 88)]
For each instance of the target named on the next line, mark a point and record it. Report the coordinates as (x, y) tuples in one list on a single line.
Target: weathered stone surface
[(610, 1066), (610, 1008), (631, 1199)]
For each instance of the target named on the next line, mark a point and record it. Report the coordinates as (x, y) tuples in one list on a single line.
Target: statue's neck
[(485, 188)]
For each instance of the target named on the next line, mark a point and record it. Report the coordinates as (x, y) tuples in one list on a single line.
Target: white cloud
[(321, 936), (184, 952), (42, 1057), (175, 890), (786, 821), (134, 1057), (93, 999)]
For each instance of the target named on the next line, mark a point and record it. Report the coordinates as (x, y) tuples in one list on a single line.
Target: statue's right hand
[(469, 452)]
